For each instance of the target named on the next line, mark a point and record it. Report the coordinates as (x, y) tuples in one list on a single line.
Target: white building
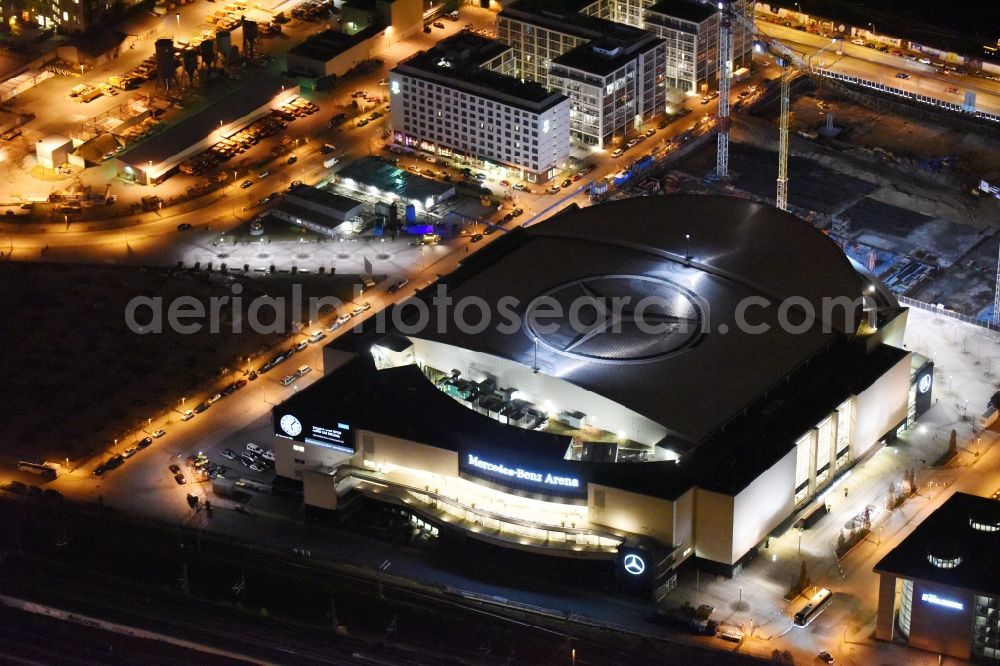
[(540, 33), (691, 32), (613, 86), (450, 101), (697, 440)]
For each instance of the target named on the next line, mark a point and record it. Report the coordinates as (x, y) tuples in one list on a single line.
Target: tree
[(890, 497), (953, 442), (866, 519), (841, 542), (803, 577)]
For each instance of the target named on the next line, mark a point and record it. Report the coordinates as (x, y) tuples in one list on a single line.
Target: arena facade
[(743, 367)]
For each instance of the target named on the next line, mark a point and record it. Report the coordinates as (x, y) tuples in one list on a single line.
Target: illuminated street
[(639, 338)]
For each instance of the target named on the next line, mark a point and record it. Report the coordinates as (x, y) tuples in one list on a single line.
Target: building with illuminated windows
[(540, 33), (629, 382), (613, 86), (690, 30), (939, 588), (455, 99), (66, 16)]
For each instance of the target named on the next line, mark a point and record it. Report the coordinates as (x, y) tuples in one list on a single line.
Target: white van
[(254, 448), (287, 379), (268, 455), (303, 370)]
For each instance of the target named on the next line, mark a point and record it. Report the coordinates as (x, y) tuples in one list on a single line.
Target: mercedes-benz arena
[(736, 375)]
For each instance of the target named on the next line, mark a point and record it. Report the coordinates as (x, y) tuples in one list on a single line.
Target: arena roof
[(706, 370), (738, 399)]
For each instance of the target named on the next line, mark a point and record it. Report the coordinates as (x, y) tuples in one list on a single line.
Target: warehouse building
[(678, 429)]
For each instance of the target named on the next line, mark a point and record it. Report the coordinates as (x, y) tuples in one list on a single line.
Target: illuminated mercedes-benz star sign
[(615, 318), (925, 383), (634, 564), (291, 425)]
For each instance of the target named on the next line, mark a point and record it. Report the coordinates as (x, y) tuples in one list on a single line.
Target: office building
[(939, 589), (691, 32), (613, 86)]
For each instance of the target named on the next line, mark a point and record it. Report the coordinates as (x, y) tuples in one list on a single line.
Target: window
[(298, 448), (300, 461), (944, 563)]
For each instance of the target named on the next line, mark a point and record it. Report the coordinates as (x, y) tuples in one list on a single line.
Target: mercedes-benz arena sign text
[(523, 474)]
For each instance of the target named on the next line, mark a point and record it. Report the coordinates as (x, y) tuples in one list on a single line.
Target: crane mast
[(786, 57), (725, 74), (781, 198)]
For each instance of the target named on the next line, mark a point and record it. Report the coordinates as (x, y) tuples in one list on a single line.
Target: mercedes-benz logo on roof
[(615, 318), (634, 564)]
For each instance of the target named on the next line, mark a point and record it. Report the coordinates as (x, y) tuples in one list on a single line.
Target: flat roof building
[(939, 588), (610, 84), (690, 30), (449, 101), (376, 177), (678, 432), (158, 156), (316, 209)]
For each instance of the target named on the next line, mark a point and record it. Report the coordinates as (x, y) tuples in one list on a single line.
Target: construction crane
[(785, 57), (725, 67)]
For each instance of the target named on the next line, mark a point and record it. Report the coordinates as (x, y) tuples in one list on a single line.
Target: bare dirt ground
[(75, 376)]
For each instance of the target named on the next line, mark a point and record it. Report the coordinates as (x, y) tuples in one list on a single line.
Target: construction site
[(896, 185)]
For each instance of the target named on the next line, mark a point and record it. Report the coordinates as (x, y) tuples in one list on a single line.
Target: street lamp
[(739, 604), (178, 20)]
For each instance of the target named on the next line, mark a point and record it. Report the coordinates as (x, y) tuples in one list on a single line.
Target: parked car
[(130, 451), (115, 462), (184, 227), (174, 469), (902, 75), (257, 467), (301, 346), (159, 433), (825, 657), (179, 478), (215, 398), (396, 286), (246, 183), (228, 454), (476, 238), (144, 442), (566, 183), (201, 407), (617, 152)]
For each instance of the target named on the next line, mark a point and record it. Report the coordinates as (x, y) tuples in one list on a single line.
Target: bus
[(817, 604)]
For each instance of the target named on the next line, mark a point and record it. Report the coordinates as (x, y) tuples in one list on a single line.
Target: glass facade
[(905, 609), (986, 634)]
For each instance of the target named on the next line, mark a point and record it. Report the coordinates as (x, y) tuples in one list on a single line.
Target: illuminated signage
[(925, 383), (338, 438), (395, 87), (520, 474), (634, 564), (938, 601)]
